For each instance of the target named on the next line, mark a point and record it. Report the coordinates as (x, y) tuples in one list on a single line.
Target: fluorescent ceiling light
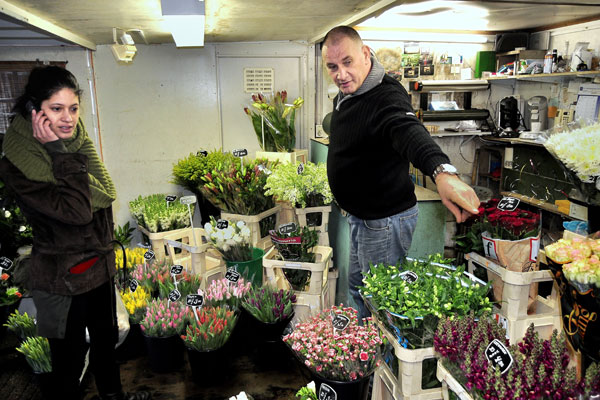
[(185, 19), (383, 35)]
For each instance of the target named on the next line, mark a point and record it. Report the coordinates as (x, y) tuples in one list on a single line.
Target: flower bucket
[(268, 350), (164, 353), (251, 270), (210, 367), (336, 390), (46, 383)]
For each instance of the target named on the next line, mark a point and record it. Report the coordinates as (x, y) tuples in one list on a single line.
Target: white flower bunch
[(233, 241), (579, 150)]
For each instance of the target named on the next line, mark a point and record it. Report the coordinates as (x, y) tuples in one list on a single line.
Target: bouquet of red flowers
[(507, 225)]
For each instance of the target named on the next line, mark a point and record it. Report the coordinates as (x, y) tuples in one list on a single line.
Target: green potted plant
[(161, 327), (273, 120)]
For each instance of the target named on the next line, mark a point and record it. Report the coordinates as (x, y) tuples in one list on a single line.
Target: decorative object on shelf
[(334, 346), (477, 354), (297, 246), (155, 214), (274, 121), (21, 325), (410, 298)]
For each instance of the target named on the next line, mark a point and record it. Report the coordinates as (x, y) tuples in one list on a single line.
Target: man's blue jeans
[(374, 241)]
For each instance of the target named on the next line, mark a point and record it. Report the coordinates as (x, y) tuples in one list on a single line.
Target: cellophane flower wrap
[(223, 292), (276, 118), (580, 258), (210, 328), (156, 215), (539, 369), (232, 242), (298, 246), (36, 350), (9, 294), (346, 355), (150, 275), (268, 304), (136, 303), (163, 318), (238, 189), (310, 188)]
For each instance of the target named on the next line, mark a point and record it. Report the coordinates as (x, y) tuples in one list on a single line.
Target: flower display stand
[(195, 254), (157, 240), (515, 299), (450, 383), (253, 223), (298, 155), (316, 297), (322, 228), (407, 382)]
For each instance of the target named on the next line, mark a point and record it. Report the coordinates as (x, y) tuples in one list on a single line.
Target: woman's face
[(62, 109)]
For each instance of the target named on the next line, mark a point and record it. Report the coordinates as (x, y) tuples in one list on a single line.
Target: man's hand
[(457, 196)]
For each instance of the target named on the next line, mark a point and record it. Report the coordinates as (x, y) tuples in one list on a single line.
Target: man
[(374, 135)]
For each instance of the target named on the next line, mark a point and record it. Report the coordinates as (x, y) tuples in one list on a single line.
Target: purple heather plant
[(539, 369)]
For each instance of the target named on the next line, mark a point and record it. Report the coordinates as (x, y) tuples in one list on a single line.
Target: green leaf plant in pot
[(298, 246)]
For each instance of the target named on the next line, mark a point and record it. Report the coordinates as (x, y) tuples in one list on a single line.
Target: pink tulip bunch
[(223, 292), (164, 318)]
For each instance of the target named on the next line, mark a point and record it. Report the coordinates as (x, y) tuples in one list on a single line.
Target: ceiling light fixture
[(185, 20), (379, 35), (126, 51)]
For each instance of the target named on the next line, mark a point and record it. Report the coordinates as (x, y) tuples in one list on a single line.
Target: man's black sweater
[(373, 138)]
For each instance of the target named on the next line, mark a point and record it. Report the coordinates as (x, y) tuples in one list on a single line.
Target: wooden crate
[(253, 223), (323, 227), (298, 155)]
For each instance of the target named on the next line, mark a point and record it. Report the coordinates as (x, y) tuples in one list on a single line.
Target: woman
[(63, 188)]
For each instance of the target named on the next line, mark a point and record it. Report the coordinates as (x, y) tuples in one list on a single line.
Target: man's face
[(348, 64)]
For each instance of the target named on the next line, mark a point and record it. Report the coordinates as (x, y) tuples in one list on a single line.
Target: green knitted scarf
[(32, 159)]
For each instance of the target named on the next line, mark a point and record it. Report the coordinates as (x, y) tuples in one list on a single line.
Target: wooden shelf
[(515, 141), (537, 203), (525, 77)]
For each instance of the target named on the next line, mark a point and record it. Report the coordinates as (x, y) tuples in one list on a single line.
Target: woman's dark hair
[(42, 84)]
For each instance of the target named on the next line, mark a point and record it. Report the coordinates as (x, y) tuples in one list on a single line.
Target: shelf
[(578, 74), (515, 141), (537, 203), (465, 133)]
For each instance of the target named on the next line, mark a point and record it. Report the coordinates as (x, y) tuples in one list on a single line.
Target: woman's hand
[(41, 127)]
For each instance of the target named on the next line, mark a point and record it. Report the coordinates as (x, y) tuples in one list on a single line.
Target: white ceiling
[(89, 23)]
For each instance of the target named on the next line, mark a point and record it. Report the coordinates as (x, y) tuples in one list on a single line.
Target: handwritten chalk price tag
[(326, 392), (287, 228), (409, 276), (202, 153), (170, 198), (222, 224), (508, 204), (149, 255), (194, 300), (232, 275), (187, 199), (340, 322), (174, 295), (176, 269), (240, 152), (5, 263), (300, 168), (499, 356), (133, 285)]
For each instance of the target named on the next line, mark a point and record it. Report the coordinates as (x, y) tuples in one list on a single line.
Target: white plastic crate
[(318, 278), (298, 155), (195, 255), (450, 383), (253, 223), (157, 240), (408, 383), (308, 305), (323, 227), (332, 277)]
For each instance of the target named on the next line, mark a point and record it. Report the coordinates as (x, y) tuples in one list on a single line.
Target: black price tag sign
[(222, 224), (194, 300), (174, 295), (176, 269), (499, 356), (240, 152), (326, 392), (133, 285), (203, 153), (340, 322), (300, 168), (232, 275), (287, 228), (409, 276), (508, 204), (149, 255), (5, 263), (170, 198)]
